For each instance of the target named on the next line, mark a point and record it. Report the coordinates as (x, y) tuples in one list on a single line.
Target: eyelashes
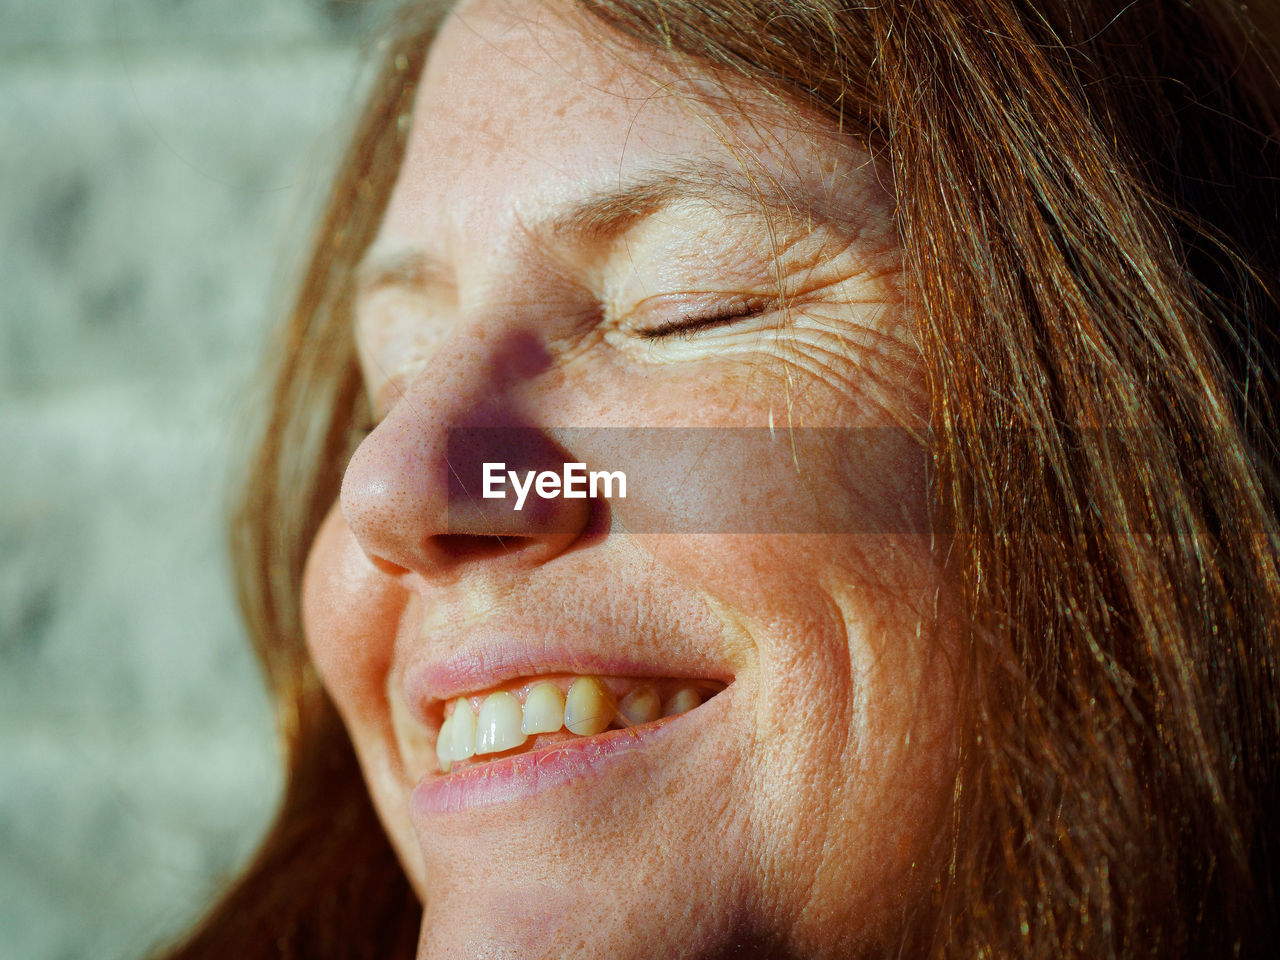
[(686, 327)]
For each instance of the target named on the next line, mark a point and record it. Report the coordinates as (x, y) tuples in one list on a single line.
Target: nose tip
[(413, 498)]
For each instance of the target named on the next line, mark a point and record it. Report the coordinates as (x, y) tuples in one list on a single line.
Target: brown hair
[(1088, 197)]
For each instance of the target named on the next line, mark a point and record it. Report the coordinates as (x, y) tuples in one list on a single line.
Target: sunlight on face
[(657, 742)]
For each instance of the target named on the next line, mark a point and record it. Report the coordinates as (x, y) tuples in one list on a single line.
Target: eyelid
[(693, 314)]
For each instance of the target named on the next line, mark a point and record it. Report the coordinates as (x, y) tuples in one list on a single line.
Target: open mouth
[(529, 714)]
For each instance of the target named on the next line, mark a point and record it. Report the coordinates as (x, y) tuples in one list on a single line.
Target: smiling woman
[(991, 671), (569, 214)]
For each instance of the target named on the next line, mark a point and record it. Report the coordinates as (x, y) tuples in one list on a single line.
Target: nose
[(413, 492)]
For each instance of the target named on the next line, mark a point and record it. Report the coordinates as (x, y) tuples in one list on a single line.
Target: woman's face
[(564, 205)]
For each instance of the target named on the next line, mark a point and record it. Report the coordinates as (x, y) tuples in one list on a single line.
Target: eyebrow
[(603, 216), (599, 217)]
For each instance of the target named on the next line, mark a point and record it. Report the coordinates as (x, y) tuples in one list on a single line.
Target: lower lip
[(526, 774)]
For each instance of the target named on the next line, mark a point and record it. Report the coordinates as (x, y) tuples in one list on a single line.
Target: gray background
[(160, 162)]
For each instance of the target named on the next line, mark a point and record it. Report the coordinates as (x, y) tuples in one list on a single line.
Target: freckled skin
[(802, 815)]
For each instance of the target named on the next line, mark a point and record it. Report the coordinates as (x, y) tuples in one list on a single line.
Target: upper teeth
[(588, 708), (498, 727), (543, 709), (641, 705)]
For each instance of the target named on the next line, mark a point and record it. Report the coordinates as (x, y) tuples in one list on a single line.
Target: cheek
[(852, 765), (351, 613)]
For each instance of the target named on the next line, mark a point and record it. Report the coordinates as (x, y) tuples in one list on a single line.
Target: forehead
[(524, 106)]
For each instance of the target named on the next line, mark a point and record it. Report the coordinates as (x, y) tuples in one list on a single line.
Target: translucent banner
[(526, 480)]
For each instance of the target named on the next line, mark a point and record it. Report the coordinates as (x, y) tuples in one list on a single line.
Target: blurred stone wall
[(160, 161)]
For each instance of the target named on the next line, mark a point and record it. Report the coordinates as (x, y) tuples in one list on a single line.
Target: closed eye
[(694, 324)]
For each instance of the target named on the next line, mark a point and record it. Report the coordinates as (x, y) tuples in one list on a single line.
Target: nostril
[(386, 566), (462, 547)]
